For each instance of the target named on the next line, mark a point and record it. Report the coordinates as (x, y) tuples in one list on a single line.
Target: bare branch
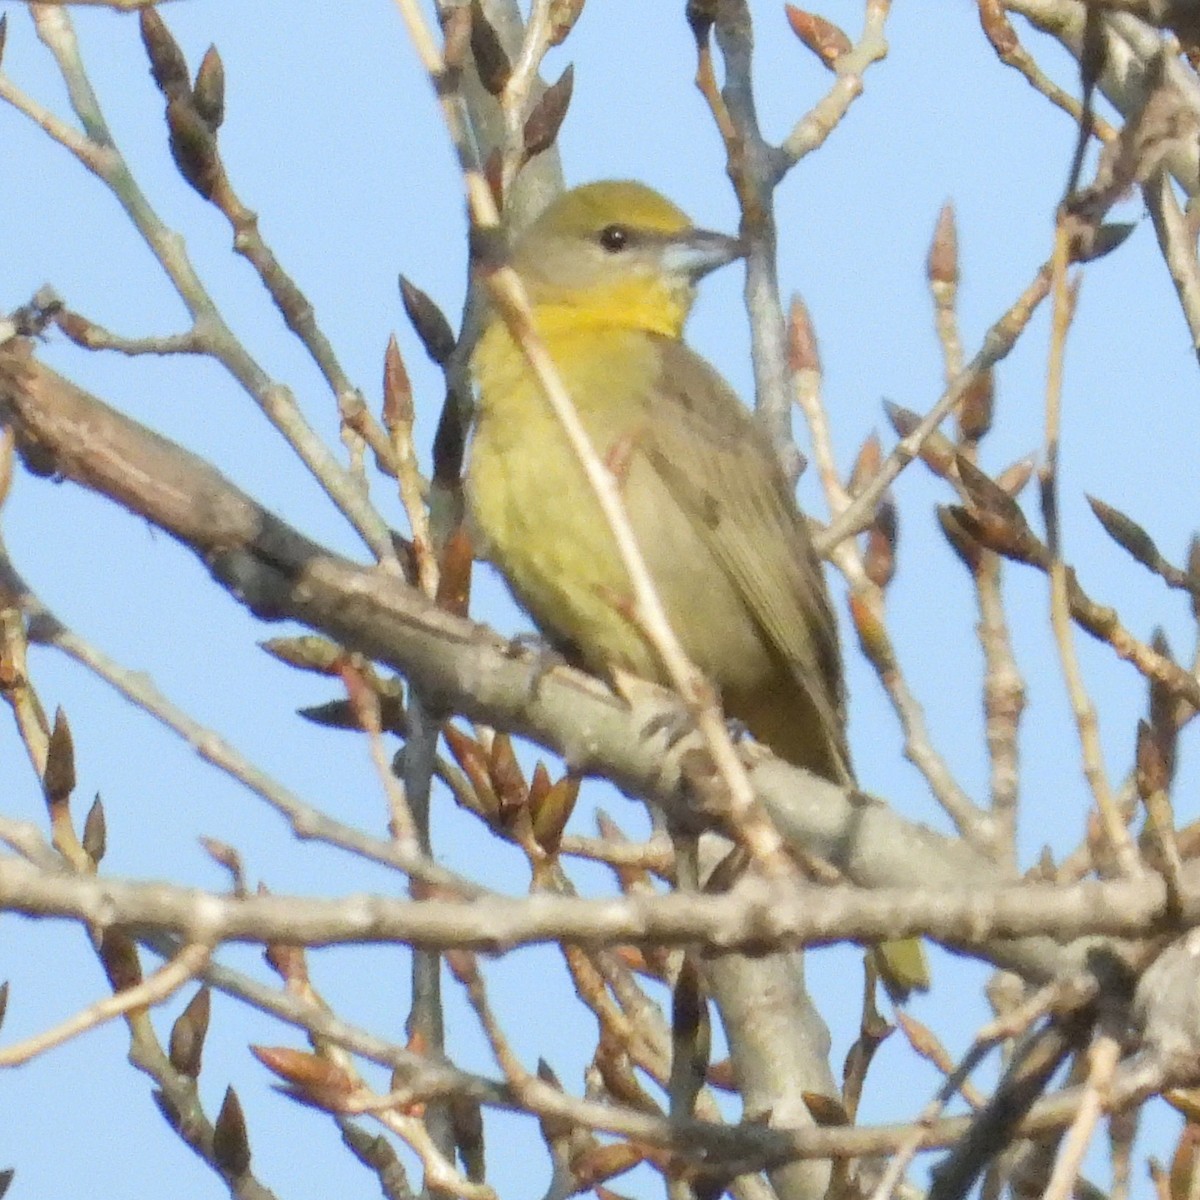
[(753, 914), (160, 986)]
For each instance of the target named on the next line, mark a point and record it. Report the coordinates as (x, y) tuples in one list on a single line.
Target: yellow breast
[(535, 516)]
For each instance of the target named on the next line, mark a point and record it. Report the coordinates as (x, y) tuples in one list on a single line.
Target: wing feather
[(720, 467)]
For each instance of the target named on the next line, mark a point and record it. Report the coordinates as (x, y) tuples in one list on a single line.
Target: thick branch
[(756, 915), (457, 665)]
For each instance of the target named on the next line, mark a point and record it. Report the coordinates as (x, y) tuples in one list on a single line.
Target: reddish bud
[(821, 36), (942, 264), (544, 122)]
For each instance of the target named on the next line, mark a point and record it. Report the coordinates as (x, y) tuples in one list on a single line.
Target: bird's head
[(619, 253)]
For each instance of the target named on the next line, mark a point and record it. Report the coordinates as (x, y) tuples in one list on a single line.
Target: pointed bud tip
[(942, 263)]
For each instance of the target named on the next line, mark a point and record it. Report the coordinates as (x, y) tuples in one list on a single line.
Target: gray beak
[(699, 251)]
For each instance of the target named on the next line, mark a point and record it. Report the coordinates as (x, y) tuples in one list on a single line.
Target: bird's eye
[(614, 238)]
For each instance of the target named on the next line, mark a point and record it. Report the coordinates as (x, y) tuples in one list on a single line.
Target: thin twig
[(441, 1175), (1103, 1057), (1003, 691), (91, 336), (98, 152), (1009, 51), (399, 419), (753, 1143), (805, 363), (918, 747), (160, 986), (365, 703), (307, 821), (811, 131), (877, 646), (1003, 704), (515, 98), (466, 969), (997, 343), (16, 689), (1115, 829), (755, 169), (655, 855)]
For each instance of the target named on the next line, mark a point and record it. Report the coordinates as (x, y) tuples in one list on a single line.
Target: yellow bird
[(611, 270)]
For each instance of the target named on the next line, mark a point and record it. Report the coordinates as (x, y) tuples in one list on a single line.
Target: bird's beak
[(699, 251)]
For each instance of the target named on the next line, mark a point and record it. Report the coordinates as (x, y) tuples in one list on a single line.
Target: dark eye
[(614, 238)]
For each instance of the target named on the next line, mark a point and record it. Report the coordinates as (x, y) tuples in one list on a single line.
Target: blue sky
[(332, 135)]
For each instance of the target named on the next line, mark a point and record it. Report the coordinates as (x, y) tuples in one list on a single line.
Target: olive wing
[(719, 465)]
